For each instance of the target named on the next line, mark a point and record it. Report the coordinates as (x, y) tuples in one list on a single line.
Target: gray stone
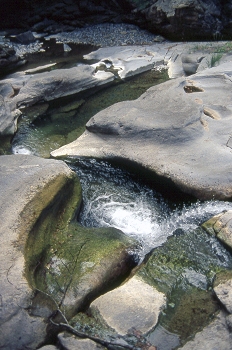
[(70, 342), (224, 293), (221, 226), (215, 336), (23, 90), (48, 347), (28, 186), (177, 130), (135, 304)]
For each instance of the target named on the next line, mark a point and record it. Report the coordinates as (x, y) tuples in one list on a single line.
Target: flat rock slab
[(135, 304), (23, 90), (179, 130)]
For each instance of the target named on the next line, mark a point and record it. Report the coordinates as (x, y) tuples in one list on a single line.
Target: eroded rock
[(179, 141), (23, 90), (31, 188)]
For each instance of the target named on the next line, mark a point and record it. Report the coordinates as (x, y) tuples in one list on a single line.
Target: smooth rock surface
[(215, 336), (224, 293), (181, 140), (23, 90), (28, 186), (135, 304)]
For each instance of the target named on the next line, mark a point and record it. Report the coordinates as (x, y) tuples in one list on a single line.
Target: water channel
[(113, 196)]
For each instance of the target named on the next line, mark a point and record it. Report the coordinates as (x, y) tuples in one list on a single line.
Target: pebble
[(101, 35), (108, 34)]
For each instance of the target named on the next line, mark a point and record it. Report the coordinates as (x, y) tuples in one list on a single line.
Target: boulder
[(176, 19), (176, 132), (31, 191), (220, 226), (48, 261), (135, 304)]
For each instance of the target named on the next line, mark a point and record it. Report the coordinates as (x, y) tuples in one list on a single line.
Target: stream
[(114, 197), (111, 196)]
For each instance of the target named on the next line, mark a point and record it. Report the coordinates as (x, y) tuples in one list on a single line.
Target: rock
[(25, 38), (214, 336), (30, 189), (135, 304), (85, 262), (23, 90), (221, 226), (177, 143), (179, 19), (70, 342), (186, 278), (130, 60), (224, 294), (223, 289), (48, 347), (9, 60)]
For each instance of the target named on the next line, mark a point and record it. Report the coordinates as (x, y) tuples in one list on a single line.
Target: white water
[(112, 198)]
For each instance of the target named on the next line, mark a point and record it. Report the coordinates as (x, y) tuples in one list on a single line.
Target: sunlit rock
[(177, 130), (221, 226), (135, 304), (25, 90)]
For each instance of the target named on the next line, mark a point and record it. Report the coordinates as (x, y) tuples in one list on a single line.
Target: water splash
[(113, 198)]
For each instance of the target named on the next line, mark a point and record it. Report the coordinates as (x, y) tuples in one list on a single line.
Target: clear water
[(113, 197), (55, 128)]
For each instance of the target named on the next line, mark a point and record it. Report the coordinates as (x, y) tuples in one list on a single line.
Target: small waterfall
[(113, 198)]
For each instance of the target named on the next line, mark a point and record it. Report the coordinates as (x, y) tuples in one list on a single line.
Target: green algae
[(65, 119), (54, 207), (184, 269)]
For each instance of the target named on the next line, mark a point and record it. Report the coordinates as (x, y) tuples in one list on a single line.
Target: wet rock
[(70, 342), (32, 191), (135, 304), (214, 336), (85, 262), (221, 226), (185, 277), (179, 141)]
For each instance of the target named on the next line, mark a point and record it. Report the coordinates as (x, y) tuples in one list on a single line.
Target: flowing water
[(114, 197)]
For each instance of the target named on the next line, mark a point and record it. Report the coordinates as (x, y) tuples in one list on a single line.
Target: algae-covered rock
[(33, 194), (78, 263), (220, 226), (183, 268)]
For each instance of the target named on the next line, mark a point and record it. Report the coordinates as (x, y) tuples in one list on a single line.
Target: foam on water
[(113, 198)]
